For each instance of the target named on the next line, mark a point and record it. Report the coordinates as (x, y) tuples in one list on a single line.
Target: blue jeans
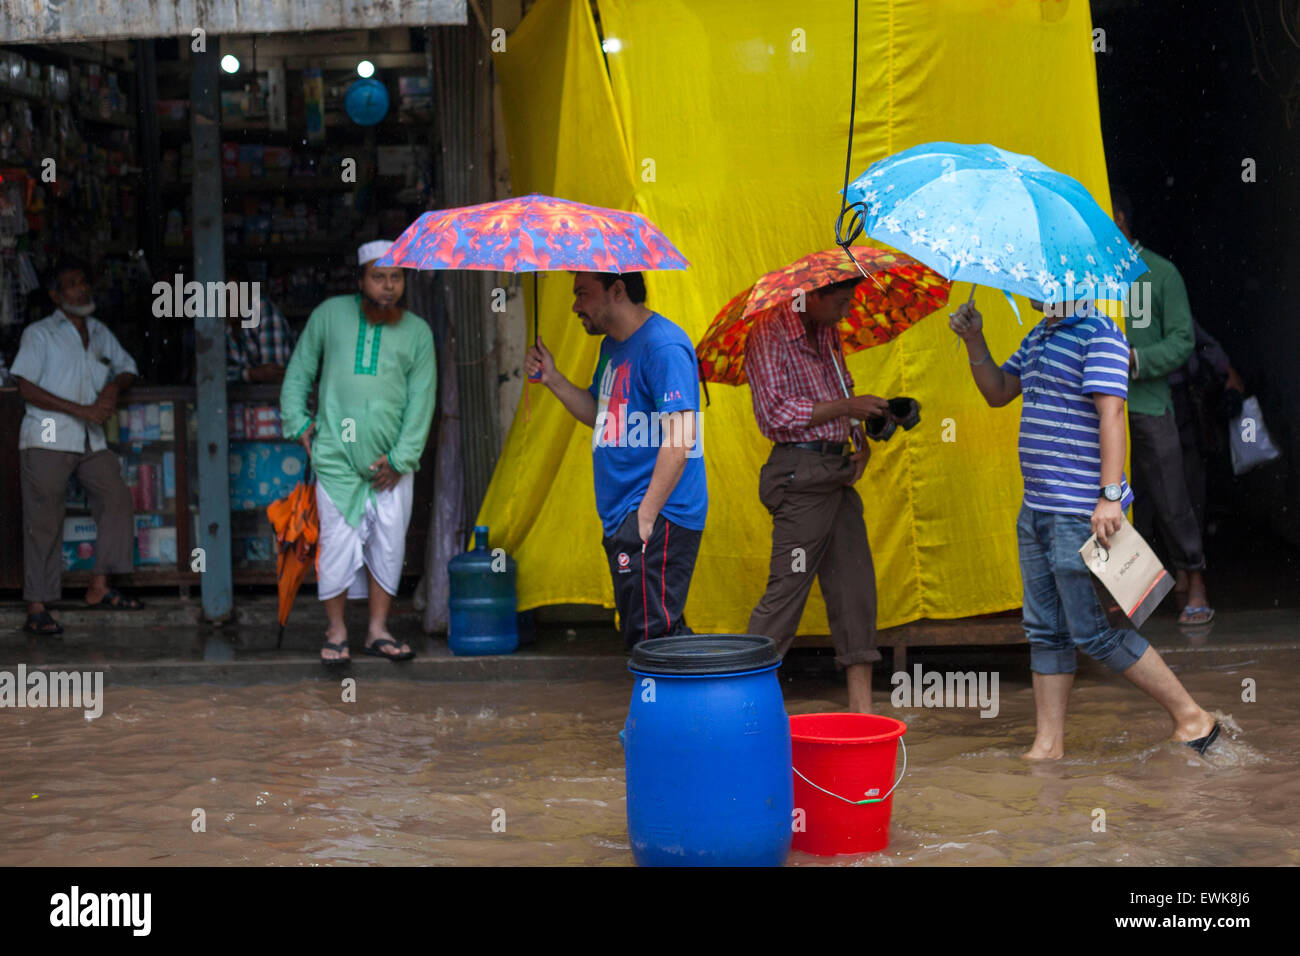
[(1061, 609)]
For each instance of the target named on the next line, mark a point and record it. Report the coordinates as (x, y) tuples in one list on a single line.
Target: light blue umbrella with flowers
[(980, 214)]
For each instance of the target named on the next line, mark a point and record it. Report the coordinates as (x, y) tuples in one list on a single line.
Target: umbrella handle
[(970, 298), (537, 335)]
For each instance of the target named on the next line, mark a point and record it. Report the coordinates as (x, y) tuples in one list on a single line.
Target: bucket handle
[(869, 800)]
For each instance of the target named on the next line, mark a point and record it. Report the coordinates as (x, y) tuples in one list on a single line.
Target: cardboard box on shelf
[(261, 473)]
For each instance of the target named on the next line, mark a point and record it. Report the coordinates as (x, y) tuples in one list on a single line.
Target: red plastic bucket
[(840, 760)]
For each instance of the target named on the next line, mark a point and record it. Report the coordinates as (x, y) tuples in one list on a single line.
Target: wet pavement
[(515, 760)]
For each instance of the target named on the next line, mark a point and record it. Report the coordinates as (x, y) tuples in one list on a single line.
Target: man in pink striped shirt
[(794, 365)]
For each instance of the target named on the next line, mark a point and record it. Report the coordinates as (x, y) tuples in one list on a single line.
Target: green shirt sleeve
[(299, 377), (1174, 348), (421, 396)]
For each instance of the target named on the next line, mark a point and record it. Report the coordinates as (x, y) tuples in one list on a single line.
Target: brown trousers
[(44, 481), (817, 529)]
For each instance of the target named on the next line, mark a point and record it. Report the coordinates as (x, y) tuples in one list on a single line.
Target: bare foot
[(860, 706), (1044, 751), (1195, 728)]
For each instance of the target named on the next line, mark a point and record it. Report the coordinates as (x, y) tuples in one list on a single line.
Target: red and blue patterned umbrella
[(533, 233)]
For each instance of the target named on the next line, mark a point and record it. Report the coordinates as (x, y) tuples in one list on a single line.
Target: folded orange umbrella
[(297, 531)]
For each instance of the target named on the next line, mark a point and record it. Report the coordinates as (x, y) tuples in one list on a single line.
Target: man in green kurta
[(378, 384), (1161, 338)]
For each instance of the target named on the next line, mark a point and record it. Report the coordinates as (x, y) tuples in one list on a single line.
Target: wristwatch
[(1111, 493)]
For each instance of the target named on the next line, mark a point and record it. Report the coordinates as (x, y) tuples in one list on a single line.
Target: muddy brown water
[(418, 774)]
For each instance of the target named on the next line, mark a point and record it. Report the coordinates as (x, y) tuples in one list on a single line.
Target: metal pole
[(210, 334)]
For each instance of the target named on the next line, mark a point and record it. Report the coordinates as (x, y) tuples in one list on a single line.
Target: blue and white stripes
[(1060, 366)]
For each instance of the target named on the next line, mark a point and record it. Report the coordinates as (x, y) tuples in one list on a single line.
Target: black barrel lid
[(704, 654)]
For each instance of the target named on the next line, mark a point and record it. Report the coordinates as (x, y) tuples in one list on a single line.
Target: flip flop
[(1189, 610), (115, 600), (42, 623), (338, 661), (373, 650), (1202, 744)]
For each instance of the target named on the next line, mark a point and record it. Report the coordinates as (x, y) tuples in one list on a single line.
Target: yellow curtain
[(725, 123)]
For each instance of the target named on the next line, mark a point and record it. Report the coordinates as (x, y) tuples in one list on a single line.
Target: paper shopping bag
[(1129, 579)]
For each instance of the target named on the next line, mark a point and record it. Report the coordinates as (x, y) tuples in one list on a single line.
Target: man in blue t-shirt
[(647, 454), (1072, 369)]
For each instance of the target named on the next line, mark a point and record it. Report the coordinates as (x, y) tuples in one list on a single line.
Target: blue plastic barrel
[(707, 749), (482, 617)]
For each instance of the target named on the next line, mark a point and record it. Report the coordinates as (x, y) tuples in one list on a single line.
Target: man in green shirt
[(1161, 338), (378, 382)]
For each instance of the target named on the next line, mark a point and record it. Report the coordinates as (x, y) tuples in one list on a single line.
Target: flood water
[(418, 773)]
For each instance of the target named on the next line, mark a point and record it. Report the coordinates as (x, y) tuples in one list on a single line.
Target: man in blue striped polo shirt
[(1072, 369)]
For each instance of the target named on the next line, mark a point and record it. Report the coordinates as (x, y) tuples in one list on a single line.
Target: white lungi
[(378, 543)]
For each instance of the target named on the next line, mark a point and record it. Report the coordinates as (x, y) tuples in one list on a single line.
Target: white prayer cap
[(371, 251)]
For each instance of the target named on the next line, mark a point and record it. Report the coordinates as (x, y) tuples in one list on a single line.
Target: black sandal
[(115, 600), (373, 650), (338, 648), (42, 623)]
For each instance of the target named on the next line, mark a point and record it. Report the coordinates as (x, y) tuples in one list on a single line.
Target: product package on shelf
[(169, 475), (261, 473), (79, 534), (142, 493), (236, 421), (167, 421), (252, 538), (155, 542), (261, 421)]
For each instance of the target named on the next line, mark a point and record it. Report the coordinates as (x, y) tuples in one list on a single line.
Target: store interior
[(325, 142)]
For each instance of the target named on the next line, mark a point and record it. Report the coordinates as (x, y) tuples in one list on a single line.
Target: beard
[(81, 311), (377, 314)]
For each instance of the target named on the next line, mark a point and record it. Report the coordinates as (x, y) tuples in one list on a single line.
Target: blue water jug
[(707, 749), (483, 604)]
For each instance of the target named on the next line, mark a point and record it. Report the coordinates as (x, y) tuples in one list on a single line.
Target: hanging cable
[(855, 212)]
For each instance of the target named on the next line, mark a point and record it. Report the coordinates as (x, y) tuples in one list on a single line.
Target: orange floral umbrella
[(904, 292)]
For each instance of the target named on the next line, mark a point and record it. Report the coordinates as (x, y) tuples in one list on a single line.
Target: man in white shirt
[(70, 369)]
